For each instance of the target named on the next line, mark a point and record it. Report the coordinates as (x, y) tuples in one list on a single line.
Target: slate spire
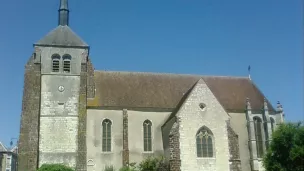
[(63, 13)]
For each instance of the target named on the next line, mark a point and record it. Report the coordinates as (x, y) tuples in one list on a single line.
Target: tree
[(286, 150)]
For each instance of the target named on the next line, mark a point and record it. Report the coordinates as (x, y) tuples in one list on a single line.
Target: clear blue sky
[(208, 37)]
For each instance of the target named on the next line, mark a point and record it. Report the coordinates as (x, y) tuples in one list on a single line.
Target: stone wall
[(233, 141), (81, 164), (58, 119), (125, 146), (29, 126), (202, 109), (90, 79), (175, 161)]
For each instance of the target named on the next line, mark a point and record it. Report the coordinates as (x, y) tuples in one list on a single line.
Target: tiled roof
[(153, 90), (62, 36)]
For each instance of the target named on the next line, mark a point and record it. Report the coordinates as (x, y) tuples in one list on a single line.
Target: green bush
[(286, 150), (154, 164), (54, 167), (130, 167), (109, 168)]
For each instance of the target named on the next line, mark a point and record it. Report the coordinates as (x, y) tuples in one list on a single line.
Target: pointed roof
[(62, 36), (2, 147)]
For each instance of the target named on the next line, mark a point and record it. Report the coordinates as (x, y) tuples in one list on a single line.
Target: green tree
[(54, 167), (286, 150)]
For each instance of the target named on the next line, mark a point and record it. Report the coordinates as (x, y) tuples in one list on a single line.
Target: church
[(89, 119)]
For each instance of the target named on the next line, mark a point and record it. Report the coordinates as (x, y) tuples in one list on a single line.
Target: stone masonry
[(125, 146), (81, 164), (175, 162), (29, 126)]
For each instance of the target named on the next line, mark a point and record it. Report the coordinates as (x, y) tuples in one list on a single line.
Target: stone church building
[(89, 119)]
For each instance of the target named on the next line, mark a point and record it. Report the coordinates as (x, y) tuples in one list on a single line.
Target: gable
[(153, 90)]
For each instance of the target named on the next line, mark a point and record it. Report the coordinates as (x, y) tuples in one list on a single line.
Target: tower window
[(55, 63), (66, 63)]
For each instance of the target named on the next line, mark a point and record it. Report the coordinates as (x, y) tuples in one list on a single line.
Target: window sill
[(205, 158), (148, 152), (104, 152)]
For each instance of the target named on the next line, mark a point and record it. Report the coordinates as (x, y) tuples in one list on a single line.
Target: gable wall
[(192, 118)]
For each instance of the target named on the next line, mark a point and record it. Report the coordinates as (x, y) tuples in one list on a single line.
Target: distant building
[(8, 158)]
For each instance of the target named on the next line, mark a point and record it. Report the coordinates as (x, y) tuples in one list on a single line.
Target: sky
[(205, 37)]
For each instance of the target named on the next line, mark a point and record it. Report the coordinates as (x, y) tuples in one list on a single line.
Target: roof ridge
[(173, 74)]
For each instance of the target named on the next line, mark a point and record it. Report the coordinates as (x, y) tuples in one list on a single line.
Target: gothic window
[(66, 63), (147, 125), (204, 143), (258, 136), (106, 135), (55, 62), (272, 124)]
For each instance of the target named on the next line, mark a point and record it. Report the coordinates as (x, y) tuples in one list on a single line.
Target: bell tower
[(53, 122)]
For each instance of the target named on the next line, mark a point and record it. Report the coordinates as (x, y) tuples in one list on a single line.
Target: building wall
[(95, 157), (239, 125), (29, 126), (98, 159), (136, 142), (2, 164), (166, 132), (58, 120), (8, 162), (58, 133), (192, 118)]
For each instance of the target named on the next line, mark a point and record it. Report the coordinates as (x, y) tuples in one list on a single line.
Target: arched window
[(272, 124), (106, 135), (147, 135), (67, 63), (204, 143), (55, 63), (258, 136)]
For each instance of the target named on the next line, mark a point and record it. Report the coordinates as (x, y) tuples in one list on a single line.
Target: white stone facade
[(192, 118), (58, 119)]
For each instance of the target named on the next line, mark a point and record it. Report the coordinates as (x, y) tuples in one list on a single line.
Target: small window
[(258, 136), (8, 162), (147, 135), (66, 63), (55, 63), (272, 124), (204, 143), (106, 135)]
